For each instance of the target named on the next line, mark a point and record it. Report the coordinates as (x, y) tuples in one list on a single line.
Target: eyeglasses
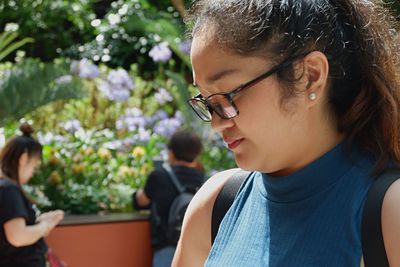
[(222, 103)]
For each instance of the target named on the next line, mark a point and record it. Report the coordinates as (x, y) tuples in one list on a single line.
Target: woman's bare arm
[(391, 223), (195, 241), (19, 234)]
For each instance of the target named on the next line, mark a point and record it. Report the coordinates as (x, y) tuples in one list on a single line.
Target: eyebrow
[(217, 76)]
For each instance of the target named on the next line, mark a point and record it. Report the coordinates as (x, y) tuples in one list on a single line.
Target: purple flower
[(160, 52), (120, 78), (133, 123), (117, 86), (143, 135), (167, 127), (72, 126), (186, 46), (119, 95), (120, 123), (129, 141), (163, 96), (85, 69), (159, 115), (132, 120)]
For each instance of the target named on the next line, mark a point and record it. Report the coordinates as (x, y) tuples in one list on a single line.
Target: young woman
[(306, 94), (21, 233)]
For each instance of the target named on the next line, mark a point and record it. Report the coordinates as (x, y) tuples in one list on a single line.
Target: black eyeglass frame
[(231, 94)]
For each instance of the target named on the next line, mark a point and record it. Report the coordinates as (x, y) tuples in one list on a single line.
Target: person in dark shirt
[(159, 192), (22, 232)]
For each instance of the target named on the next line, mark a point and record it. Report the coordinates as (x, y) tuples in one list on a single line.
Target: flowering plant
[(100, 148)]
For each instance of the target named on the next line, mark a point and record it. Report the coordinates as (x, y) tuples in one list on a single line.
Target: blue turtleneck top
[(311, 218)]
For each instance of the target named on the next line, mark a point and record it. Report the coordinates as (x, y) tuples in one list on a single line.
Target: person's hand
[(51, 214), (50, 219)]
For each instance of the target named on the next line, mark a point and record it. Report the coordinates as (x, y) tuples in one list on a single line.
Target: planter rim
[(70, 220)]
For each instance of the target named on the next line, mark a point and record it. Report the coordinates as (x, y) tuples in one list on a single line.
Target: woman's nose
[(219, 124)]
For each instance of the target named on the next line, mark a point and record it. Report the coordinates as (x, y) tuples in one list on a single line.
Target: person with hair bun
[(22, 232), (306, 94)]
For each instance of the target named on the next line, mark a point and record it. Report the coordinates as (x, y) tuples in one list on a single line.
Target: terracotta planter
[(117, 240)]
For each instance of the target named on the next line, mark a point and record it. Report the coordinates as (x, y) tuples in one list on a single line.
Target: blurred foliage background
[(105, 84)]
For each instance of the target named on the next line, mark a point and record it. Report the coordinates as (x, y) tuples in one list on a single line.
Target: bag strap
[(373, 245), (173, 177), (225, 199)]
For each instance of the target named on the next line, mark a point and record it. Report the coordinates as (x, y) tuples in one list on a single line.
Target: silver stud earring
[(312, 96)]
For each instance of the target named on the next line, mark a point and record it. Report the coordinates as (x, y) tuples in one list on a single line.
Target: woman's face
[(27, 167), (265, 136)]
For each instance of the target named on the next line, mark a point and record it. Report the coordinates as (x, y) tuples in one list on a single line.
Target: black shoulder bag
[(373, 246)]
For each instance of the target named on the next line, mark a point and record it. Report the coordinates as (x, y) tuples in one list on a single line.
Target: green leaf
[(32, 84), (6, 38), (181, 97), (13, 47)]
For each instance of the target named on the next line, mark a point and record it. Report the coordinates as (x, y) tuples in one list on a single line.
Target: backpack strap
[(225, 199), (373, 246), (173, 177)]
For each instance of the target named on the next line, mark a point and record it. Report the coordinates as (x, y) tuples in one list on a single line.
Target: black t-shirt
[(14, 204), (160, 189)]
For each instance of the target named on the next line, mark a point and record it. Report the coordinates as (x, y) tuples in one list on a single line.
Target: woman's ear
[(316, 70)]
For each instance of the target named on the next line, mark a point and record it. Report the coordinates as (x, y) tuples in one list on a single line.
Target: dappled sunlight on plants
[(98, 149), (104, 104)]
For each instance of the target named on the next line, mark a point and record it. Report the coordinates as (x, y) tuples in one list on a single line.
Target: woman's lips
[(232, 144)]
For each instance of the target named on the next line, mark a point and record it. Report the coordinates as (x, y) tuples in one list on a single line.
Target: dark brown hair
[(359, 39), (15, 147), (185, 145)]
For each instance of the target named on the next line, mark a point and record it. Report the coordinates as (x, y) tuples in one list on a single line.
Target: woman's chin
[(245, 163)]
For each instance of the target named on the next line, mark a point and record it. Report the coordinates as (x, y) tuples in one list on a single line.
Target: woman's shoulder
[(391, 223), (207, 194), (195, 241)]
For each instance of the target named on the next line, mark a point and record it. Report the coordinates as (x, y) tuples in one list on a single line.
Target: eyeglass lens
[(218, 103), (201, 109), (222, 106)]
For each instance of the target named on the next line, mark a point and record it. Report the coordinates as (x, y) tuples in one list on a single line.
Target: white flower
[(114, 19), (11, 27)]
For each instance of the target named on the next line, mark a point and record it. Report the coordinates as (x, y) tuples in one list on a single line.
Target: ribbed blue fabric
[(311, 218)]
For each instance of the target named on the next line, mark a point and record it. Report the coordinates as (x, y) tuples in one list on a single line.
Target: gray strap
[(173, 177)]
